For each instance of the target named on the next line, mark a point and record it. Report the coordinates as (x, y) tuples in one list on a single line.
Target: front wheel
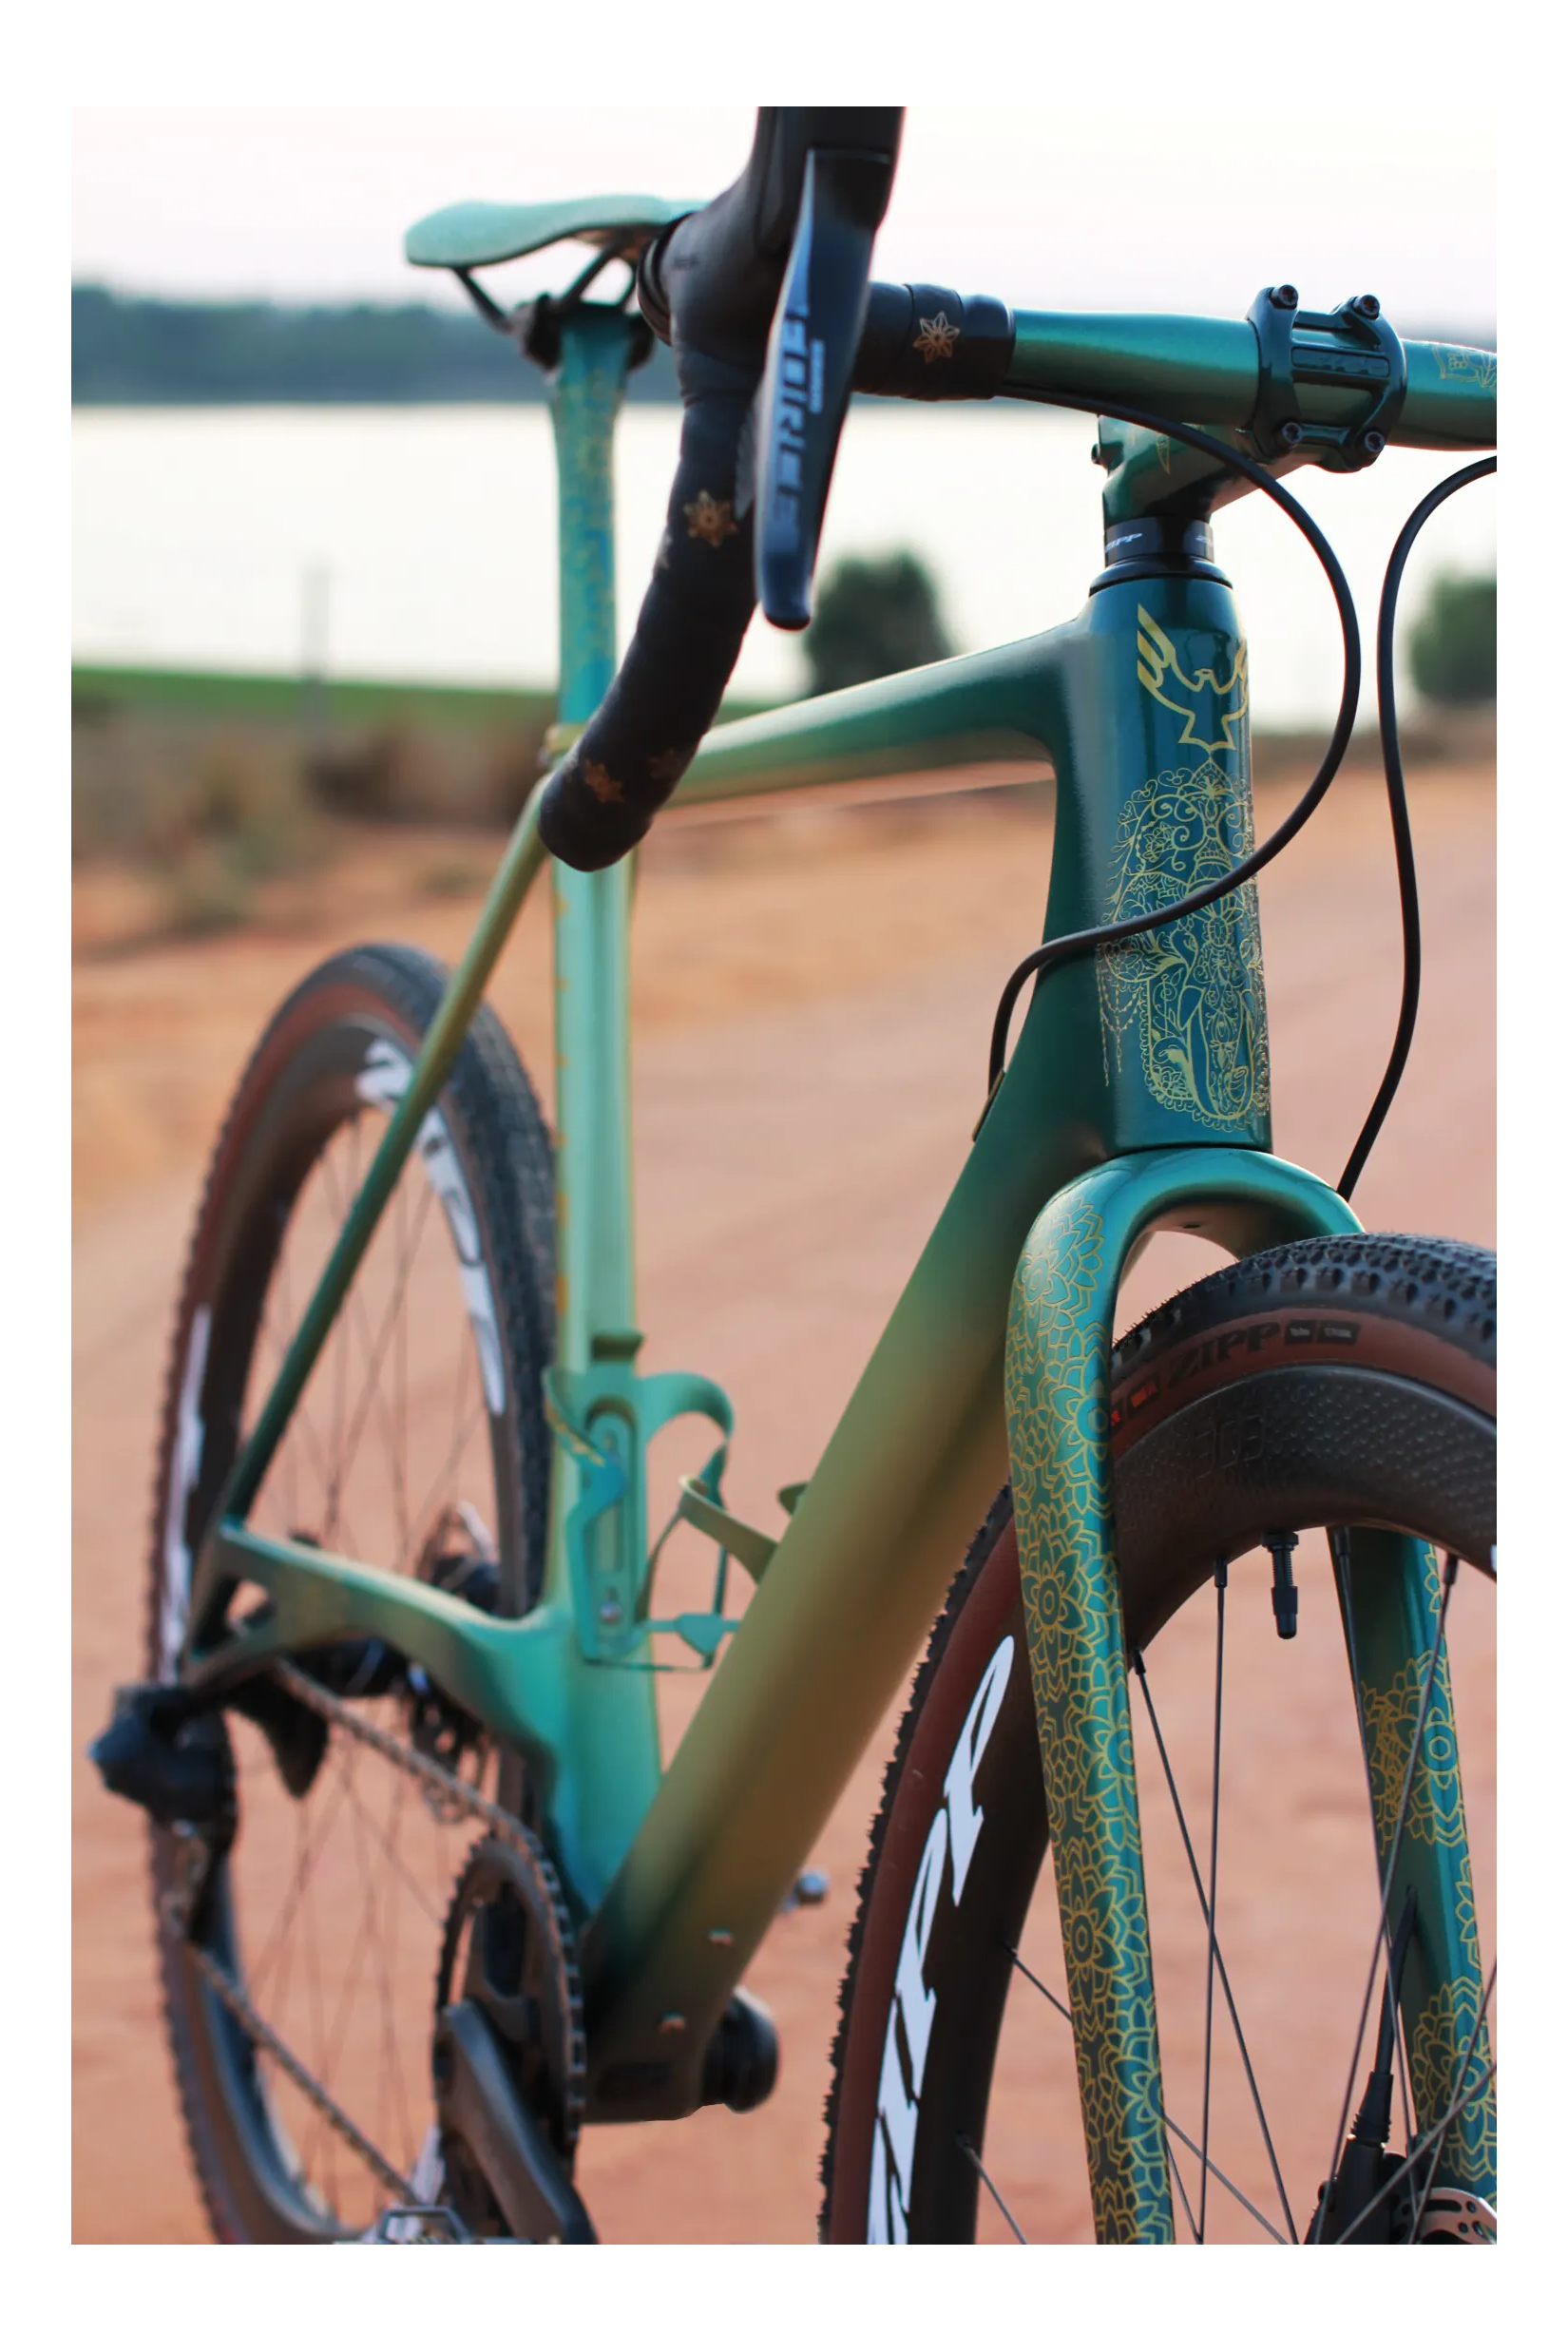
[(1325, 1386)]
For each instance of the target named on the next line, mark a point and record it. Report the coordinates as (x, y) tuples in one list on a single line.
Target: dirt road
[(783, 1199)]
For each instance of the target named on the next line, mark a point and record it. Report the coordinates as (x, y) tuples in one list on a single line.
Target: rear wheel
[(419, 1444), (1345, 1384)]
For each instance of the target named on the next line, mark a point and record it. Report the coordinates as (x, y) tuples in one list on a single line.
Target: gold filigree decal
[(1192, 993), (1459, 366), (710, 518), (937, 337), (1055, 1386), (1213, 708)]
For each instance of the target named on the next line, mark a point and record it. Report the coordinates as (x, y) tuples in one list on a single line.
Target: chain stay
[(455, 1792)]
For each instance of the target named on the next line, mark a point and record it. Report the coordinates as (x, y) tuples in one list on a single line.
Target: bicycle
[(500, 1659)]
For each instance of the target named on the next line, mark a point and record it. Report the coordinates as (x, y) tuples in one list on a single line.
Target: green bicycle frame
[(1137, 1097)]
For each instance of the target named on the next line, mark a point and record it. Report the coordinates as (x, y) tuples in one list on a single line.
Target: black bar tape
[(709, 285), (929, 343), (639, 742)]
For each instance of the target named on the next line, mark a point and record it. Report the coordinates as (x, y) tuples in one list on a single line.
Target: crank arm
[(477, 2102)]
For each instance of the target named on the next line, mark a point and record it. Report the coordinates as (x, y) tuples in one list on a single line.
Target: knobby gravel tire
[(1336, 1382), (354, 1023)]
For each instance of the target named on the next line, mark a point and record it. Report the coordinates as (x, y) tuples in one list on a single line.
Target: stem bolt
[(1284, 298), (1366, 306), (609, 1612), (1290, 432), (1373, 442)]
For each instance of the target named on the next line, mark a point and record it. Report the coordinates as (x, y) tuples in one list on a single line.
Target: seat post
[(595, 1280)]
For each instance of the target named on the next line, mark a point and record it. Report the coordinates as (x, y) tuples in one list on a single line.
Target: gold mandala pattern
[(1188, 997), (1438, 2047), (1057, 1426), (1440, 2037), (1435, 1811)]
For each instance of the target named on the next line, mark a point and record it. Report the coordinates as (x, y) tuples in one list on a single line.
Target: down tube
[(861, 1570)]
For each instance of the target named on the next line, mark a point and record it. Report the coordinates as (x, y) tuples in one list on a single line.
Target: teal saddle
[(471, 237)]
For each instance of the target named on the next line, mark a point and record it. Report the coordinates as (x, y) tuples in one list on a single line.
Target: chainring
[(508, 1948)]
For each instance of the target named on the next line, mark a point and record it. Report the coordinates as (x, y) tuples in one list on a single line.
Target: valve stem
[(1281, 1543)]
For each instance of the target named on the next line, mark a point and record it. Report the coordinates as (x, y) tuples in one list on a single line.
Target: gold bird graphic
[(1202, 700)]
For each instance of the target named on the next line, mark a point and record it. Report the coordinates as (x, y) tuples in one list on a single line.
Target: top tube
[(1205, 372)]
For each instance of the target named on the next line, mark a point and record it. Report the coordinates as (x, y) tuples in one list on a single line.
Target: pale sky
[(1093, 207)]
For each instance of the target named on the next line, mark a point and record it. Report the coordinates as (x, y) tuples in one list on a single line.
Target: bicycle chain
[(454, 1791), (238, 2002)]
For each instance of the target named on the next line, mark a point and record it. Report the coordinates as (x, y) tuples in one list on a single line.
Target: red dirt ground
[(783, 1203)]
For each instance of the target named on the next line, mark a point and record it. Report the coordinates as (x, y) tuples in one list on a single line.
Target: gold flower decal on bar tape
[(601, 782), (936, 338), (710, 518)]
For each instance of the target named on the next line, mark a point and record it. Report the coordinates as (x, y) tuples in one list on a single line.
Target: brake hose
[(1399, 815)]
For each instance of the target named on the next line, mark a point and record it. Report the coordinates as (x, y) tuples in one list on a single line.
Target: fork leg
[(1059, 1346)]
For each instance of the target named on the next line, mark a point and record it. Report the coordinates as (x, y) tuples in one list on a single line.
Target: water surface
[(195, 533)]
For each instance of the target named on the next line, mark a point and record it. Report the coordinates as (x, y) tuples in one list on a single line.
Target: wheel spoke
[(1440, 2130), (431, 1910), (1432, 2139), (449, 1468), (1141, 1672), (1221, 1579), (1210, 2167), (1208, 2163), (375, 1349), (1024, 1969), (401, 1387), (380, 1936), (992, 2186), (1181, 2189), (310, 1839), (1339, 1553), (332, 1900), (1380, 1941)]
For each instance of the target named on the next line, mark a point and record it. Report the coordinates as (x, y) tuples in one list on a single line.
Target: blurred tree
[(874, 615), (1453, 641)]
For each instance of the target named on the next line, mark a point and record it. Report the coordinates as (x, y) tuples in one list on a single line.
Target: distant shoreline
[(130, 352)]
